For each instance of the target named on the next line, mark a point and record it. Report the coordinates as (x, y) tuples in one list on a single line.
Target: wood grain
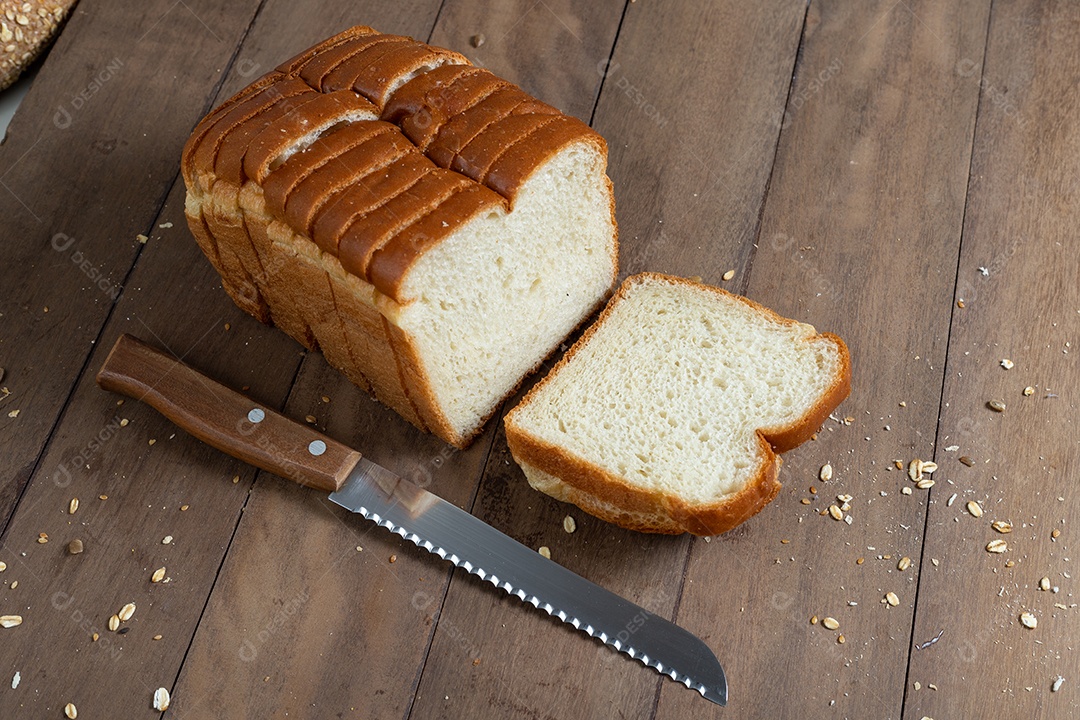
[(849, 245), (529, 665), (102, 448), (86, 164), (1021, 217)]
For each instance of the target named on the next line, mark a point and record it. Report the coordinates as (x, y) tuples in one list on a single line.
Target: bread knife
[(257, 435)]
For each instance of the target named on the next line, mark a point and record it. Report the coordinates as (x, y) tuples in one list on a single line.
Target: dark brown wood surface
[(866, 167)]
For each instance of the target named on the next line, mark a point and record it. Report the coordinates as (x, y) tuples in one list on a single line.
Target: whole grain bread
[(432, 229), (668, 414)]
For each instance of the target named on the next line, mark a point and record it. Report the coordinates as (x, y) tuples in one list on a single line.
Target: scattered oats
[(1010, 563), (904, 564), (915, 469), (73, 505), (903, 403), (43, 538), (10, 621), (929, 467), (959, 304), (898, 465), (157, 637), (15, 680), (1029, 391), (974, 508), (103, 497), (569, 524), (13, 414), (917, 685), (161, 699), (1055, 533), (860, 561), (952, 448), (141, 238), (1002, 526), (70, 712), (966, 460), (94, 637), (1058, 682), (848, 519), (393, 558), (183, 508), (836, 513), (235, 479), (905, 490), (126, 612), (729, 274), (831, 623), (951, 500), (932, 686), (75, 546), (158, 575), (924, 484), (359, 549), (1007, 363), (166, 540), (935, 561), (477, 40), (151, 441), (825, 473), (997, 546), (805, 501), (813, 619), (892, 599), (545, 551), (996, 405), (1044, 584), (228, 326), (841, 639), (3, 566), (124, 422), (844, 498), (165, 225), (1028, 620), (310, 419)]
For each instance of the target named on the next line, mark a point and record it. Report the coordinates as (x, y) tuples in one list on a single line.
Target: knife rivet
[(256, 415), (317, 447)]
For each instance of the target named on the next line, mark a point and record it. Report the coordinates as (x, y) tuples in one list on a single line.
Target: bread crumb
[(545, 551)]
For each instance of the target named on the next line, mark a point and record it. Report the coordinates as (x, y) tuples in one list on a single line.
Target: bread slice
[(668, 414), (431, 228)]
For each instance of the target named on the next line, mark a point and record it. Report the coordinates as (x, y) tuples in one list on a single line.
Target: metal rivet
[(317, 447), (256, 415)]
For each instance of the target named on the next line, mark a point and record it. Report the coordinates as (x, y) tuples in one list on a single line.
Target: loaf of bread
[(668, 414), (432, 229)]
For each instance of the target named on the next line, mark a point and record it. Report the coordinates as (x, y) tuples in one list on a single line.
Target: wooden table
[(902, 173)]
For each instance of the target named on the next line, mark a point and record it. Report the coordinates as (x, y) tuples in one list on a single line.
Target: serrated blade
[(451, 533)]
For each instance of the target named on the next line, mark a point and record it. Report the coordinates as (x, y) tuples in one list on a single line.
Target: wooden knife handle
[(224, 418)]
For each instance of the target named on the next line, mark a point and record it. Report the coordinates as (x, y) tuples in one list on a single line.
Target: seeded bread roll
[(434, 230), (26, 29), (668, 414)]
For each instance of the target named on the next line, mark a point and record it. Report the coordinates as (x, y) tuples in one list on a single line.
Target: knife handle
[(224, 418)]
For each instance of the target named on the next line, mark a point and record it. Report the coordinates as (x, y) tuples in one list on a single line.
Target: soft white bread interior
[(668, 414)]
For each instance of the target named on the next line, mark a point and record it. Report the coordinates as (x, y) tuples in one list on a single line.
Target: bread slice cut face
[(431, 228), (669, 413)]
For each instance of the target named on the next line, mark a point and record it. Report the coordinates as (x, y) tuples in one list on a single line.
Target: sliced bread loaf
[(668, 414), (431, 228)]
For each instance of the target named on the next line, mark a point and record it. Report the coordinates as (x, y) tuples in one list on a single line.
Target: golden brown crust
[(615, 500)]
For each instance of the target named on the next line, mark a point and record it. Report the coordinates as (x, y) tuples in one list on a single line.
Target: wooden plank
[(103, 449), (1020, 222), (859, 236), (530, 665), (298, 613), (554, 50), (87, 163)]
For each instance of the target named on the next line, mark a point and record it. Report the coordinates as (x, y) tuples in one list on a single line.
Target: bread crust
[(613, 499)]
